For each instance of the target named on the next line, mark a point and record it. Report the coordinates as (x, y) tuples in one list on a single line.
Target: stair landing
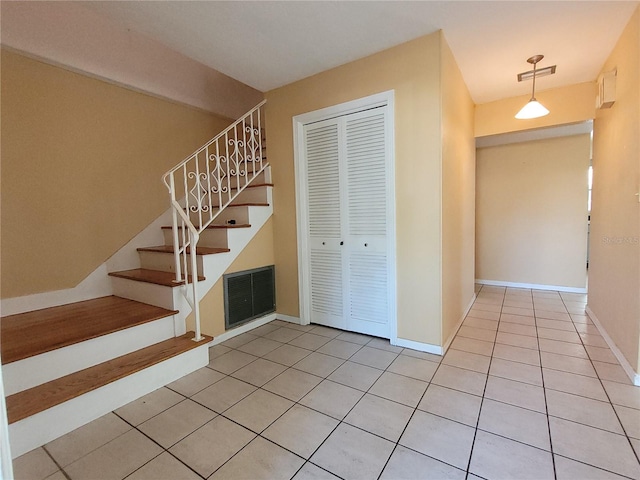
[(33, 333)]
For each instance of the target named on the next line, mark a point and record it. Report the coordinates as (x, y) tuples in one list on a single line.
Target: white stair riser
[(33, 371), (39, 429), (165, 262), (144, 292), (239, 214), (211, 237), (253, 195)]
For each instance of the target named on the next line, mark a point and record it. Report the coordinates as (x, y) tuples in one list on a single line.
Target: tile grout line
[(134, 427), (544, 390), (475, 433), (60, 468), (633, 450)]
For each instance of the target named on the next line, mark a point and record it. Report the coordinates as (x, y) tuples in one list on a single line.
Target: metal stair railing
[(203, 185)]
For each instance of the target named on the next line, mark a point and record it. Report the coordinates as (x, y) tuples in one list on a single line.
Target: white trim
[(446, 345), (383, 99), (624, 363), (258, 322), (419, 346), (96, 285), (534, 286), (6, 465), (289, 318)]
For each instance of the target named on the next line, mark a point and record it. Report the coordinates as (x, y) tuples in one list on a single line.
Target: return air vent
[(249, 294)]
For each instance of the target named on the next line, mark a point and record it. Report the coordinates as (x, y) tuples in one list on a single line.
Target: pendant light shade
[(533, 109)]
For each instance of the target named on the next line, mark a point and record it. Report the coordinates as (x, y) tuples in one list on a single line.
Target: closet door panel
[(366, 208), (368, 294), (325, 219)]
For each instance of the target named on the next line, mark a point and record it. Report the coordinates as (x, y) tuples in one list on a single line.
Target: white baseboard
[(633, 375), (289, 318), (419, 346), (455, 330), (258, 322), (534, 286)]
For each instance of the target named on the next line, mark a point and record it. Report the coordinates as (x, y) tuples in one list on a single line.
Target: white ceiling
[(268, 44)]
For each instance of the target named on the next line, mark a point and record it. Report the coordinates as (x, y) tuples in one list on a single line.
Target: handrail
[(203, 185), (230, 127)]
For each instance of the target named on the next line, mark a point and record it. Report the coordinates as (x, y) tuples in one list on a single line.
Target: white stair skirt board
[(533, 286), (33, 371), (258, 322), (98, 283), (633, 375), (214, 266), (39, 429), (419, 346)]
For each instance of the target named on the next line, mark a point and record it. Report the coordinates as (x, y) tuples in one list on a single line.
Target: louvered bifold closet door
[(323, 152), (367, 222)]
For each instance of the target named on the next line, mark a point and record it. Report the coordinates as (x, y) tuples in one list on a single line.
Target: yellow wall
[(258, 253), (571, 104), (614, 272), (458, 195), (412, 70), (531, 211), (81, 170)]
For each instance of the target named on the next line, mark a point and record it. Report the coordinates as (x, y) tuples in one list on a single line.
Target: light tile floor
[(528, 389)]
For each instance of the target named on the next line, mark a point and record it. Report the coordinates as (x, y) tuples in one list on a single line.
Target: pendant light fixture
[(533, 109)]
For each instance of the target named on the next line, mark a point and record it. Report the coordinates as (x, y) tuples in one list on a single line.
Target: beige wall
[(614, 273), (258, 253), (412, 70), (74, 35), (571, 104), (81, 170), (458, 195), (531, 209), (434, 155)]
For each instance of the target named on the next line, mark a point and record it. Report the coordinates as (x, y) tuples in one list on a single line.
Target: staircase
[(66, 365)]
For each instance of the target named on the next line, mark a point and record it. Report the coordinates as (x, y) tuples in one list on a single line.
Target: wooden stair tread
[(32, 333), (217, 225), (255, 185), (156, 277), (199, 250), (37, 399), (249, 204)]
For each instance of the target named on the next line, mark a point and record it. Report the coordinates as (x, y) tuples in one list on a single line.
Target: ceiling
[(268, 44)]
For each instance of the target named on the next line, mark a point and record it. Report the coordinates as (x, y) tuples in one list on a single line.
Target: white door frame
[(304, 287)]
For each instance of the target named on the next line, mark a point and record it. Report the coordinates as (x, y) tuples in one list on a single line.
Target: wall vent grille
[(248, 295)]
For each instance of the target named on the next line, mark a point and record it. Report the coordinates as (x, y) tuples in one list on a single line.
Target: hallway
[(528, 389)]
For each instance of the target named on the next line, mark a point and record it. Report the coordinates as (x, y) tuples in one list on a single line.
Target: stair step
[(32, 333), (199, 250), (214, 226), (156, 277), (29, 402), (248, 204), (255, 185)]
